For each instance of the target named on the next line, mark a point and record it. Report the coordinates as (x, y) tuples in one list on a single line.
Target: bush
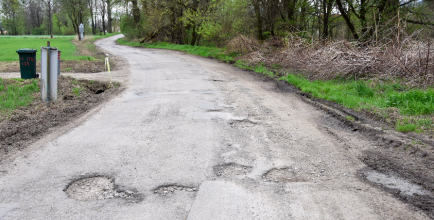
[(38, 31), (131, 29), (68, 31)]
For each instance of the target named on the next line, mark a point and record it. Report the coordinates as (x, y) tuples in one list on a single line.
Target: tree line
[(215, 22), (59, 17)]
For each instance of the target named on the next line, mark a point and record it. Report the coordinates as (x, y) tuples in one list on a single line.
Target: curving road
[(193, 138)]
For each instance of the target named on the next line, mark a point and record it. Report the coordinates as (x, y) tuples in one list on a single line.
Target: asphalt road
[(193, 138)]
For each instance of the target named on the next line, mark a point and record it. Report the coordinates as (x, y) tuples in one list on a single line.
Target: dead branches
[(409, 58)]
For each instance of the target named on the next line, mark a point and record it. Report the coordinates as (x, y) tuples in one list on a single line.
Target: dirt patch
[(408, 164), (26, 124), (231, 169), (170, 189), (99, 188)]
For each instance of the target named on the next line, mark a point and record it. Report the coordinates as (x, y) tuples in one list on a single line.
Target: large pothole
[(231, 169), (99, 188)]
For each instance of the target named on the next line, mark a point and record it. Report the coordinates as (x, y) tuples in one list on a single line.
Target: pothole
[(405, 187), (286, 174), (170, 189), (99, 188), (231, 169), (243, 123)]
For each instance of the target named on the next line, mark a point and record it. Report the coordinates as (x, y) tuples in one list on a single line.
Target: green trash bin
[(27, 63)]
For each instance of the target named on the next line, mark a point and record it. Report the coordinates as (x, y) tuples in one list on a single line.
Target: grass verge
[(217, 53), (15, 93), (407, 109)]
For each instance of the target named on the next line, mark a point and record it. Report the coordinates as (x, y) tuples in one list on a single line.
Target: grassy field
[(408, 109), (10, 44)]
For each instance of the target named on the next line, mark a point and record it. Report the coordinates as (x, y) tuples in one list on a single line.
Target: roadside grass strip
[(217, 53), (416, 106), (15, 93)]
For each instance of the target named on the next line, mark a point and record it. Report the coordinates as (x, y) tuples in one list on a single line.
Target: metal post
[(58, 63), (48, 72)]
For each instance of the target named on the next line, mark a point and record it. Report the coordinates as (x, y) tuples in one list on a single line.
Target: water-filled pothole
[(99, 188), (231, 169), (170, 189)]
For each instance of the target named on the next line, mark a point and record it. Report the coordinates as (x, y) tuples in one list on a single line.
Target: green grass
[(76, 91), (405, 126), (358, 95), (16, 93), (96, 37), (381, 96), (10, 44), (259, 68), (217, 53), (350, 118)]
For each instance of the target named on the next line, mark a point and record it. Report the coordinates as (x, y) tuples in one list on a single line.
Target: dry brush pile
[(406, 57)]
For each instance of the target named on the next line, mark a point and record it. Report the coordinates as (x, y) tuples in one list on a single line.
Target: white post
[(52, 85), (81, 30)]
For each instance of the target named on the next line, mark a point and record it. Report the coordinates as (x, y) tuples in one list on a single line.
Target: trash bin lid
[(26, 50)]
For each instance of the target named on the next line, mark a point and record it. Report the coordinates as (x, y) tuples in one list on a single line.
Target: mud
[(407, 157), (27, 124), (409, 166)]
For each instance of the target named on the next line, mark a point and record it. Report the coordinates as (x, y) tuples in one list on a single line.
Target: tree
[(11, 10), (77, 12)]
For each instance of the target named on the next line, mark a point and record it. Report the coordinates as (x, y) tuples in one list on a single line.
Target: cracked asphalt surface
[(193, 138)]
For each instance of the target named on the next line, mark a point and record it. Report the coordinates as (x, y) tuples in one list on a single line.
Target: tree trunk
[(49, 17), (347, 19), (193, 36), (258, 18), (91, 16), (136, 12), (109, 16)]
